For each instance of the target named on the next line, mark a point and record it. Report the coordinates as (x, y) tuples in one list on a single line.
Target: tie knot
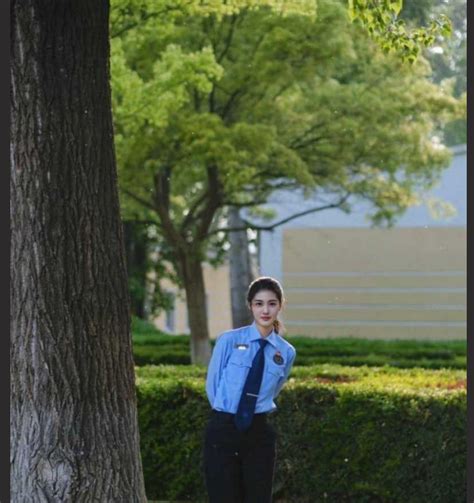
[(262, 342)]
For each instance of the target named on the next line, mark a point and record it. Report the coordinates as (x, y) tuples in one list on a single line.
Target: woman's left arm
[(288, 367)]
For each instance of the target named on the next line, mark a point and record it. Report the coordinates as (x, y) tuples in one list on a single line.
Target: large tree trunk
[(240, 271), (74, 432), (190, 266)]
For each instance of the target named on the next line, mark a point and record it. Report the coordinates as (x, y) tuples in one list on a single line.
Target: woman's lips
[(266, 318)]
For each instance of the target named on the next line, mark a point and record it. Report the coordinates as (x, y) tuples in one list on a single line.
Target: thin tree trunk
[(240, 271), (136, 254), (192, 273), (74, 431)]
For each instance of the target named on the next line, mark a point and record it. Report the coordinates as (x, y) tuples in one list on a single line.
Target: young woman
[(248, 368)]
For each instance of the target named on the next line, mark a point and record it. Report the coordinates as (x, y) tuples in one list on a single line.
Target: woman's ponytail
[(278, 327)]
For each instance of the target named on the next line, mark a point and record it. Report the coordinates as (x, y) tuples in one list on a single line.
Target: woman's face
[(265, 307)]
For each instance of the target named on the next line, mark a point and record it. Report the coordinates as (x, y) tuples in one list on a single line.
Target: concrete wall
[(402, 283)]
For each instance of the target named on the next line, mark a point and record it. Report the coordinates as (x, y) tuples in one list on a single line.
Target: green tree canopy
[(446, 54), (218, 109)]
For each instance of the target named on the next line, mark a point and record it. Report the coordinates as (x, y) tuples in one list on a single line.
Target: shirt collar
[(254, 335)]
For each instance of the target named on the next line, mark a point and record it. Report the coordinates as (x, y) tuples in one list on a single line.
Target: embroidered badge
[(278, 359), (241, 346)]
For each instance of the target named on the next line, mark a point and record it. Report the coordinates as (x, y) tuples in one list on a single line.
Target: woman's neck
[(264, 331)]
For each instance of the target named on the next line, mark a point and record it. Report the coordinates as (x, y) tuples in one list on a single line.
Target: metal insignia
[(278, 359)]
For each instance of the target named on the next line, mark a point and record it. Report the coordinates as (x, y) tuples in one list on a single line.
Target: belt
[(219, 413)]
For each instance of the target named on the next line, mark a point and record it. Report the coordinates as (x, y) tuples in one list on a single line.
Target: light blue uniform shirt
[(230, 364)]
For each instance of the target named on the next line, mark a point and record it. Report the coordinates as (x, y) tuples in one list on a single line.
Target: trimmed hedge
[(344, 434), (152, 347)]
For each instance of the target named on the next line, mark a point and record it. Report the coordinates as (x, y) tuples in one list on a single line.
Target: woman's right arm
[(216, 366)]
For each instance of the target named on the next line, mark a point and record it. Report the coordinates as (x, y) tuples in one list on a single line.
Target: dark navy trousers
[(239, 467)]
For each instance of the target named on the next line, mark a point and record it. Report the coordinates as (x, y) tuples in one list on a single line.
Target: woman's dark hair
[(267, 283)]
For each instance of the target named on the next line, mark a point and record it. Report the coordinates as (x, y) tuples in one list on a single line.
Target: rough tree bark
[(190, 266), (240, 270), (74, 432)]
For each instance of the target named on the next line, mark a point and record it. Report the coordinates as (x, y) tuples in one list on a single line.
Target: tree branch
[(197, 100), (220, 57), (250, 225), (144, 18), (161, 199), (213, 203), (139, 199), (141, 221), (243, 205), (228, 40), (260, 97), (233, 97), (297, 141), (191, 213), (310, 141), (162, 187)]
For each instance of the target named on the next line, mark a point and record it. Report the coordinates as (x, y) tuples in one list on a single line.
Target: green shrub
[(345, 434), (152, 347), (147, 352), (156, 355)]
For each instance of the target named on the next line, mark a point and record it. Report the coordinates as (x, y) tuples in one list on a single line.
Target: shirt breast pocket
[(237, 368), (274, 371)]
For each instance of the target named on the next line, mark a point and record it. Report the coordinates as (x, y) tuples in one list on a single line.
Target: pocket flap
[(240, 358), (274, 369)]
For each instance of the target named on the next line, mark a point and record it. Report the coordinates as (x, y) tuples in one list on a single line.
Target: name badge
[(242, 346), (278, 359)]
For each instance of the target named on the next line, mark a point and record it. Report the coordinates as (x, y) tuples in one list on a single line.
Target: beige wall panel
[(181, 320), (455, 281), (374, 314), (181, 317), (159, 321), (360, 249), (398, 298), (368, 332), (219, 308)]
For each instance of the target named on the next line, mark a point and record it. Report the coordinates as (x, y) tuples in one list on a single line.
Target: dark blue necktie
[(243, 417)]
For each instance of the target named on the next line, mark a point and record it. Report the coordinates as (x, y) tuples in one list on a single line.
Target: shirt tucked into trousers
[(244, 377)]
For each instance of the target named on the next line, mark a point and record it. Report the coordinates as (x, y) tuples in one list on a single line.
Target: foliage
[(310, 102), (154, 347), (383, 378), (380, 17), (447, 54), (147, 271), (218, 105), (151, 346), (353, 434)]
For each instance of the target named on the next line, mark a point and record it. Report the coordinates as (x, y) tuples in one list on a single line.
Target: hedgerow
[(345, 434)]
